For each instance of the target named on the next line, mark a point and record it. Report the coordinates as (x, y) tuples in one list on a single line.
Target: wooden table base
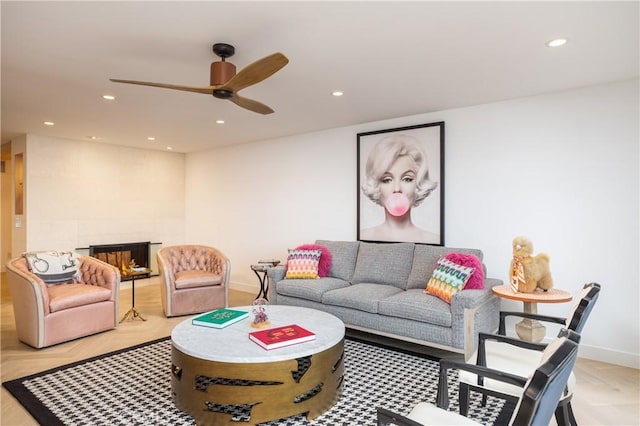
[(210, 391)]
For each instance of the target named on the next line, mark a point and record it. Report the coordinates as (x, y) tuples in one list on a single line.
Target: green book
[(220, 318)]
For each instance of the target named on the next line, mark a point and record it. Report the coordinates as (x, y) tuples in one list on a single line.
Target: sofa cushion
[(363, 297), (416, 305), (324, 265), (384, 264), (425, 258), (195, 278), (303, 264), (309, 290), (344, 254), (73, 295), (53, 267), (448, 278)]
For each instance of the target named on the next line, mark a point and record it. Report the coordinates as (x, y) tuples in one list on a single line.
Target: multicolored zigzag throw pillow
[(448, 278), (303, 264)]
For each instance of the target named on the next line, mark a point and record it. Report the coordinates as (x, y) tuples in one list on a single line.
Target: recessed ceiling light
[(108, 97), (48, 123), (337, 93), (151, 138), (93, 138), (557, 42), (219, 121), (169, 148)]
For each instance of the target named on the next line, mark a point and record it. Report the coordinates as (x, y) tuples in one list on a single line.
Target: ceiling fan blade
[(256, 72), (208, 90), (250, 104)]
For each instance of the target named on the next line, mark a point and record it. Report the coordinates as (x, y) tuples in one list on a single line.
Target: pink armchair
[(193, 279), (47, 314)]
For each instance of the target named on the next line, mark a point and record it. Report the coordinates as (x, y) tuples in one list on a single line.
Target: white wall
[(560, 168), (81, 193)]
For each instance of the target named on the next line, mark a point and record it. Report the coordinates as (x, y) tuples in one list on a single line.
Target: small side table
[(262, 267), (133, 312), (529, 329)]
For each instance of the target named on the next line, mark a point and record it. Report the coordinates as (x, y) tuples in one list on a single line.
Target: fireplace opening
[(123, 256)]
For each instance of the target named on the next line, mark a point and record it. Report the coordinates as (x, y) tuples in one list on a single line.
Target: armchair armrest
[(442, 398), (547, 318), (27, 289), (93, 271), (386, 417), (481, 359)]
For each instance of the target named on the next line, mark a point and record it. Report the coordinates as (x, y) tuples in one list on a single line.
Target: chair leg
[(484, 399), (565, 416), (463, 399)]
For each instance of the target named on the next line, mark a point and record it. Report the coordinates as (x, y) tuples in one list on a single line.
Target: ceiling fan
[(225, 83)]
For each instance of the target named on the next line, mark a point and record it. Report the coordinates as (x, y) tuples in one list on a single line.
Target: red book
[(278, 337)]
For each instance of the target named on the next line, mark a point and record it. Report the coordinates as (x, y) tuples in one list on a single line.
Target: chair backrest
[(545, 387), (583, 307)]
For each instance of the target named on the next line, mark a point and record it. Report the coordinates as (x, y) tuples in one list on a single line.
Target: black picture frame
[(422, 223)]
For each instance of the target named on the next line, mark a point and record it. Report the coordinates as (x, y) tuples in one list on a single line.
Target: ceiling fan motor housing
[(221, 72)]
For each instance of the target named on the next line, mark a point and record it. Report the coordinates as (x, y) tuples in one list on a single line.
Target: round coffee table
[(221, 377), (529, 329)]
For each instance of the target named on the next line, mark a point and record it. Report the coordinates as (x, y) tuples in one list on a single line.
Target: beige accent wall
[(81, 193)]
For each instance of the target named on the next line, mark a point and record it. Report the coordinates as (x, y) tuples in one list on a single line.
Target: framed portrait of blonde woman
[(401, 184)]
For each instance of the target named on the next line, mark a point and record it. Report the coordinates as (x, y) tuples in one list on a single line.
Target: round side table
[(528, 329)]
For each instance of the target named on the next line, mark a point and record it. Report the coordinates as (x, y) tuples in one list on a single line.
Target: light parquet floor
[(605, 395)]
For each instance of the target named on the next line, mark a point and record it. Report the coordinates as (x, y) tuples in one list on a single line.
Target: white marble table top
[(232, 344)]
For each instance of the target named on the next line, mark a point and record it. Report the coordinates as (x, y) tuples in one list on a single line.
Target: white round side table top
[(232, 343)]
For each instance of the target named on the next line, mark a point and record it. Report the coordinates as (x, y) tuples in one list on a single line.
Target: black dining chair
[(517, 357), (536, 404)]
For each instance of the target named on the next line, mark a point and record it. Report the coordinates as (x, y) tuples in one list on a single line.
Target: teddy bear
[(529, 272)]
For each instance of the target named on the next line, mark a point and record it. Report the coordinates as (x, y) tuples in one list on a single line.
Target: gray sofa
[(378, 288)]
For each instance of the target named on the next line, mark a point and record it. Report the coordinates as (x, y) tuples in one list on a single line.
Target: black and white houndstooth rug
[(133, 387)]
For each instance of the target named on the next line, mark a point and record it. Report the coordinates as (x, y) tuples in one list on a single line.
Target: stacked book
[(220, 318), (278, 337)]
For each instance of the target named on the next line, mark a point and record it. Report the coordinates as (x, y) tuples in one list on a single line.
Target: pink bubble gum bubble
[(397, 204)]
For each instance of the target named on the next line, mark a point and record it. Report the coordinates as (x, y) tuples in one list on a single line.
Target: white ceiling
[(391, 59)]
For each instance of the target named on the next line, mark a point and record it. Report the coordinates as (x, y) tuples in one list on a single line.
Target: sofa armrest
[(274, 275), (277, 273), (469, 299), (473, 311)]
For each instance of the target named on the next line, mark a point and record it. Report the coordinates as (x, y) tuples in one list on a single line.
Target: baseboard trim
[(609, 356), (247, 288)]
